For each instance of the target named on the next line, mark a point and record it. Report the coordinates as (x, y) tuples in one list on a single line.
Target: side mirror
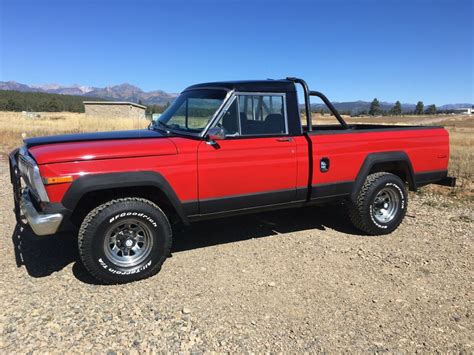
[(215, 134)]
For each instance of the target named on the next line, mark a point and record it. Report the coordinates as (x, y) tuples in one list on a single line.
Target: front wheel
[(380, 205), (124, 240)]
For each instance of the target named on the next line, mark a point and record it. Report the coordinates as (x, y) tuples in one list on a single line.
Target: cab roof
[(268, 85)]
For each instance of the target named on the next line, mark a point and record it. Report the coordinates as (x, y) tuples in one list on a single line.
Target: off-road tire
[(97, 225), (361, 208)]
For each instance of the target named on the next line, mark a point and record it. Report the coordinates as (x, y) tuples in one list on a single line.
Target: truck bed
[(427, 149)]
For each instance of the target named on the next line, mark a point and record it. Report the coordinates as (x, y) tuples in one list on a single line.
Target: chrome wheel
[(386, 205), (128, 242)]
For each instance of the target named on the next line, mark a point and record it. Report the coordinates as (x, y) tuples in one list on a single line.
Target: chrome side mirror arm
[(215, 134)]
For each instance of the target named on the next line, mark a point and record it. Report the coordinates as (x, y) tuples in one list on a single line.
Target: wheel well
[(93, 199), (399, 168)]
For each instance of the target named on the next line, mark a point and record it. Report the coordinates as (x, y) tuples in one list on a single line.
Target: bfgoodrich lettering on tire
[(124, 240), (380, 205)]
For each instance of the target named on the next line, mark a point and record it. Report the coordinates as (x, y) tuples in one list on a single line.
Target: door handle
[(285, 139)]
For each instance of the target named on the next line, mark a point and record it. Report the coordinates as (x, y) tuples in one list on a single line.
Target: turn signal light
[(57, 180)]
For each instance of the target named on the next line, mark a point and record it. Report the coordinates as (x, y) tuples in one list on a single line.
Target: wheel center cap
[(385, 205), (128, 243)]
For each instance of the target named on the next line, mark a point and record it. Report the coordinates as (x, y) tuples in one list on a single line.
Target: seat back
[(274, 123)]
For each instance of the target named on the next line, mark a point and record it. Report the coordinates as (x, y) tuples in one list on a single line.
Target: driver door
[(255, 165)]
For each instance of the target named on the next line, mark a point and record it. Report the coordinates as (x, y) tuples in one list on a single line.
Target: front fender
[(98, 182)]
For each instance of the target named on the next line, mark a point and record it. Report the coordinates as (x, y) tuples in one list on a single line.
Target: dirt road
[(296, 280)]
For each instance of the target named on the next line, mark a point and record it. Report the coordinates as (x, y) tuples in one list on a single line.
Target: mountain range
[(122, 92), (128, 92)]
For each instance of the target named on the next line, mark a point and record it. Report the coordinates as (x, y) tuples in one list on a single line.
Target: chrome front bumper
[(40, 223)]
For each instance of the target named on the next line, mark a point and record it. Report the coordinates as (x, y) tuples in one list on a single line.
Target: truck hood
[(93, 136), (99, 145)]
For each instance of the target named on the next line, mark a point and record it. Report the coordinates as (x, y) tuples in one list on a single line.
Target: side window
[(229, 121), (273, 104), (262, 114), (246, 105)]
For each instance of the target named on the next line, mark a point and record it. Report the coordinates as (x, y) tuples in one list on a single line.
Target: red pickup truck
[(220, 149)]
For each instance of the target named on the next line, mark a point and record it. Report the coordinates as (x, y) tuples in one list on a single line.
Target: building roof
[(250, 85), (113, 103)]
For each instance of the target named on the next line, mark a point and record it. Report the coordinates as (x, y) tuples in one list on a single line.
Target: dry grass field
[(14, 125)]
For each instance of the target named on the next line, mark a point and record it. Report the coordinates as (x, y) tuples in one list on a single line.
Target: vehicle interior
[(258, 115)]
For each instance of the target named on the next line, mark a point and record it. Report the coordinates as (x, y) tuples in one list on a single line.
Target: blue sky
[(393, 50)]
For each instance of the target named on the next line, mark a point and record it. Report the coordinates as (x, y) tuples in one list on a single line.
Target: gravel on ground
[(292, 280)]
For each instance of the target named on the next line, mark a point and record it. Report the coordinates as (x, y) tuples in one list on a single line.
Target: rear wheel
[(124, 240), (380, 205)]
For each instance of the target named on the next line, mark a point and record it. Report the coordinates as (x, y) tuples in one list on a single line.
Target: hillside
[(39, 101)]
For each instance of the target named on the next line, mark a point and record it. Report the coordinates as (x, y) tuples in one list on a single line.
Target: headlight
[(30, 173)]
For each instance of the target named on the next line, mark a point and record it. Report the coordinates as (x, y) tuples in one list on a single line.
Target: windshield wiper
[(164, 125)]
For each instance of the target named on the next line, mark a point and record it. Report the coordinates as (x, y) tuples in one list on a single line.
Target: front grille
[(26, 169), (26, 166)]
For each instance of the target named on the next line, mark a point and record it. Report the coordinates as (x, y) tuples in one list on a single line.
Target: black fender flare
[(384, 157), (98, 182)]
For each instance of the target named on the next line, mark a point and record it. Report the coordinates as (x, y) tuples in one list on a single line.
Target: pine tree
[(431, 110), (419, 108), (375, 108), (396, 110)]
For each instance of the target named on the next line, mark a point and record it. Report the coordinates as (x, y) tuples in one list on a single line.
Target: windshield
[(191, 111)]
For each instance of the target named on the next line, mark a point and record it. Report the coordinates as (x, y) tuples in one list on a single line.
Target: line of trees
[(42, 102), (151, 109), (11, 100), (430, 109), (396, 110), (375, 109)]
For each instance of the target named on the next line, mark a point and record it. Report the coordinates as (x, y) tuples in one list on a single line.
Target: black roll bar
[(307, 103), (330, 106)]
